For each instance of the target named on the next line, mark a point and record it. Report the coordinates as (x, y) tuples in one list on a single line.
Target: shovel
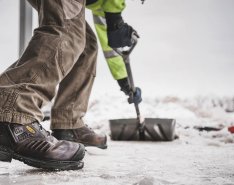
[(148, 129)]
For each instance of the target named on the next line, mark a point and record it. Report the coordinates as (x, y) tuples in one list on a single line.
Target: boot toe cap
[(80, 153)]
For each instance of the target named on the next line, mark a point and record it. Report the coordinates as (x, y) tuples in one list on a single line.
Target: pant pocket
[(41, 50)]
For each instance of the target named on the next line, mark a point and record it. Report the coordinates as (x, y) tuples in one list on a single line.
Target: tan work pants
[(62, 51)]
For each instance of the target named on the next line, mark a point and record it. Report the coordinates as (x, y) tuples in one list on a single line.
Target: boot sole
[(6, 155)]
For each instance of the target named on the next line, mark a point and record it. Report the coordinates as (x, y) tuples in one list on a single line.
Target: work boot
[(34, 146), (84, 135)]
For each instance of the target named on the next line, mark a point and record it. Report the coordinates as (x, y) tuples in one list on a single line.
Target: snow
[(184, 64), (195, 158), (146, 164)]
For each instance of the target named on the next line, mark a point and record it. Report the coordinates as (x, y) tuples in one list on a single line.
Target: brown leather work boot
[(34, 146), (84, 135)]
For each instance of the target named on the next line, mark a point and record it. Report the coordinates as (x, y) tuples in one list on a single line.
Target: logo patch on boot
[(20, 133), (30, 129), (18, 130)]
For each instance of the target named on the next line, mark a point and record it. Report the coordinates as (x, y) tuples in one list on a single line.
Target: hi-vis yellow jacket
[(114, 61)]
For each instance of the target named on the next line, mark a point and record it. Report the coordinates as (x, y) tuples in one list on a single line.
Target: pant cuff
[(16, 117), (64, 119)]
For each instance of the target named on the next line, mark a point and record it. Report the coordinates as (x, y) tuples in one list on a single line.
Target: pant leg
[(74, 90), (113, 59), (53, 50)]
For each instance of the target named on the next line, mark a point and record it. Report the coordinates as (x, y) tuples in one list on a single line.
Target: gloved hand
[(133, 98), (136, 97), (119, 33)]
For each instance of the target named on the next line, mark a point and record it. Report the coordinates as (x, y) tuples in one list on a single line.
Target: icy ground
[(196, 158)]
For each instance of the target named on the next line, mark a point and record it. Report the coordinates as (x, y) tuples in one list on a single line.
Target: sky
[(186, 47)]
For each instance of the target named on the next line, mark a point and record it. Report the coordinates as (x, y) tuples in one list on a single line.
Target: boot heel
[(5, 156)]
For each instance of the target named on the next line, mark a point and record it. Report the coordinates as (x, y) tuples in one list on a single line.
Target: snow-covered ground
[(177, 163), (196, 158), (184, 64)]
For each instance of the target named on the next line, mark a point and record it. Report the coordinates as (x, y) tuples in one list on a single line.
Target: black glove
[(119, 33), (133, 98)]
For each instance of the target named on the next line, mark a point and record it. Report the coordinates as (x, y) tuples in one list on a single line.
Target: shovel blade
[(155, 129)]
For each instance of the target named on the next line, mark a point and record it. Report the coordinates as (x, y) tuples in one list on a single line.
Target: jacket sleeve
[(111, 6)]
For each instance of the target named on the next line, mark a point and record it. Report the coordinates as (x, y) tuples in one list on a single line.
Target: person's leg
[(53, 50), (113, 59), (31, 82), (71, 102)]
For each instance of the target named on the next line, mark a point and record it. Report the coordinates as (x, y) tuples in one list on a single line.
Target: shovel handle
[(125, 55)]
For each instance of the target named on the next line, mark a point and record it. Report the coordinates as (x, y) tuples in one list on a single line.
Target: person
[(62, 52), (114, 60)]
